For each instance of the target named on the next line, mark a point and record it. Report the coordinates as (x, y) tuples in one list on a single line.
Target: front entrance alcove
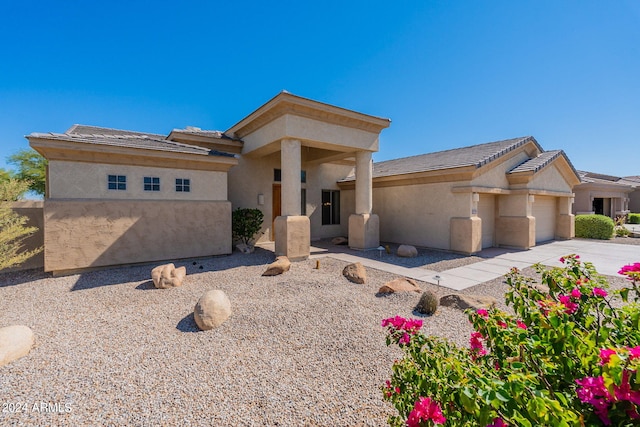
[(312, 145)]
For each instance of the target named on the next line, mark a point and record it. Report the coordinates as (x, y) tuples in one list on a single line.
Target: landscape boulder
[(340, 240), (401, 284), (462, 302), (407, 251), (279, 266), (355, 273), (168, 276), (428, 303), (212, 309), (245, 249), (15, 342)]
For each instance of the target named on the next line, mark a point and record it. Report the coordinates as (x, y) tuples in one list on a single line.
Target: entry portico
[(309, 134)]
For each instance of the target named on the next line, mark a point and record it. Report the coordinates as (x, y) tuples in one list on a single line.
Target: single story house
[(604, 195), (505, 193), (120, 197)]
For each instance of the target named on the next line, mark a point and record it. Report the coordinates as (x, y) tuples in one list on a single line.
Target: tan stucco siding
[(311, 132), (419, 214), (496, 176), (94, 233), (75, 180), (634, 201), (33, 211), (549, 179), (254, 176)]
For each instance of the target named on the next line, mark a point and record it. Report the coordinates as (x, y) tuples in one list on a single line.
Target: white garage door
[(487, 213), (544, 210)]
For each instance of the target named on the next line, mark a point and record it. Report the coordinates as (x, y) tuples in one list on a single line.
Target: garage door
[(487, 213), (544, 210)]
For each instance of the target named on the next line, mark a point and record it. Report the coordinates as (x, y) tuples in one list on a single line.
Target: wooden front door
[(276, 206)]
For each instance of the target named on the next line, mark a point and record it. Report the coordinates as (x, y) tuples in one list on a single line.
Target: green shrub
[(634, 218), (594, 227), (246, 223)]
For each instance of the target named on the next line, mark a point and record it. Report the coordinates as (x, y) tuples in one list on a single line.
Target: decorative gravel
[(305, 348)]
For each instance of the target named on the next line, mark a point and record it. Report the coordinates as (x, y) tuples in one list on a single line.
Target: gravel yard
[(303, 348)]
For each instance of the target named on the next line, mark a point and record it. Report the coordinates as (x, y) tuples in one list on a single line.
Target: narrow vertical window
[(117, 182), (330, 207), (151, 183), (183, 185)]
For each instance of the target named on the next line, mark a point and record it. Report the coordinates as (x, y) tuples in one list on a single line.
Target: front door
[(276, 207)]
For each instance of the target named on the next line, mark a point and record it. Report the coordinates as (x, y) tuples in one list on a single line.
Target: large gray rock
[(15, 342), (355, 273), (407, 251), (463, 302), (212, 309), (401, 284), (279, 266), (168, 276)]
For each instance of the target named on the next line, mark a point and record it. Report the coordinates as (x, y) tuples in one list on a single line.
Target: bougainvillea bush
[(568, 356)]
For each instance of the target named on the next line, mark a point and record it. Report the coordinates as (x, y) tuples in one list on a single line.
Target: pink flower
[(501, 324), (476, 345), (424, 410), (634, 352), (599, 292), (570, 306), (562, 260), (605, 355), (521, 324), (405, 339), (497, 422), (483, 313), (576, 292)]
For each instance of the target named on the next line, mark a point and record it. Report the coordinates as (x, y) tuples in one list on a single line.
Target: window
[(117, 182), (303, 201), (183, 185), (151, 183), (277, 176), (330, 207)]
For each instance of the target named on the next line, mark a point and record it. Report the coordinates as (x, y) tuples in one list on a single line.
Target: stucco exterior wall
[(75, 180), (419, 214), (550, 179), (33, 210), (254, 176), (94, 233), (634, 201), (496, 176), (307, 129)]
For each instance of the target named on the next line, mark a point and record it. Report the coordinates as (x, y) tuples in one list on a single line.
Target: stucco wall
[(75, 180), (634, 201), (550, 179), (93, 233), (496, 176), (35, 218), (254, 176), (419, 214)]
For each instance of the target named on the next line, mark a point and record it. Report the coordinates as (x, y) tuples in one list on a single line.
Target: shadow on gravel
[(146, 286), (12, 278), (188, 324)]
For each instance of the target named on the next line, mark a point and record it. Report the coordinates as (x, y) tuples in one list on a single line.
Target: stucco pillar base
[(516, 231), (364, 231), (466, 235), (293, 237), (565, 227)]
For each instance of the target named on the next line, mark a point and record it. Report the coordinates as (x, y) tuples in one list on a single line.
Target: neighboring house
[(506, 193), (634, 196), (603, 195), (121, 197)]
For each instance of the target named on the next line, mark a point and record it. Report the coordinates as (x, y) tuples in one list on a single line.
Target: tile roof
[(190, 130), (122, 138), (597, 178), (539, 162), (475, 155)]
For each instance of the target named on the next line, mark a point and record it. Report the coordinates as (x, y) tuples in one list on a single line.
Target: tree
[(13, 231), (246, 223), (31, 168), (5, 175)]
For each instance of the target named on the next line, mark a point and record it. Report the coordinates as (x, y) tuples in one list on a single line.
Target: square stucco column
[(565, 225), (364, 226), (292, 231)]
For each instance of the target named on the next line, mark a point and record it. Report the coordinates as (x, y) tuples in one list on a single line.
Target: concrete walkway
[(606, 257)]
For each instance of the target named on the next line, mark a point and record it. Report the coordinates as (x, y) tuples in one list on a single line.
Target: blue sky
[(447, 73)]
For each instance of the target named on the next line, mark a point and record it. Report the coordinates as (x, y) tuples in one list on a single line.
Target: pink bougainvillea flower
[(634, 352), (405, 339), (476, 345), (501, 324), (605, 355), (483, 313), (570, 306), (425, 409), (593, 391), (630, 268), (599, 292), (562, 260), (576, 292), (497, 422), (521, 324)]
